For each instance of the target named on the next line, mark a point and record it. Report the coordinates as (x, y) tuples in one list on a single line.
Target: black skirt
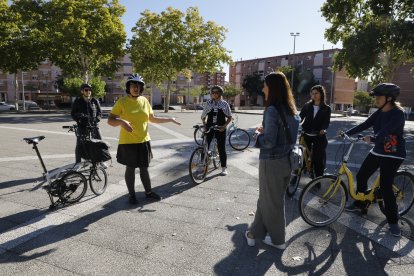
[(134, 155)]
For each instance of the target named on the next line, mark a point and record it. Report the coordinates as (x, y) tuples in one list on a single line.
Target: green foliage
[(231, 91), (22, 43), (363, 101), (98, 87), (253, 84), (166, 44), (87, 37), (377, 36), (197, 91), (72, 86)]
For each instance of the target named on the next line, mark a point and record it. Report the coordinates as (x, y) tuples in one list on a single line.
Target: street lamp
[(293, 69)]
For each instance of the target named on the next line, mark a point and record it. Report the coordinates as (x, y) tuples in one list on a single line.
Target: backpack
[(296, 153)]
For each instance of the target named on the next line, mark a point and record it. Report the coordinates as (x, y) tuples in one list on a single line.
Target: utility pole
[(294, 63)]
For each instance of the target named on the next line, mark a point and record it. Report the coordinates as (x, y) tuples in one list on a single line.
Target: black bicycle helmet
[(135, 78), (386, 89), (219, 88)]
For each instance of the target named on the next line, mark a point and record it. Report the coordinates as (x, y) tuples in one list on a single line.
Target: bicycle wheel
[(73, 187), (198, 136), (295, 179), (239, 139), (198, 165), (403, 188), (215, 156), (322, 201), (98, 180)]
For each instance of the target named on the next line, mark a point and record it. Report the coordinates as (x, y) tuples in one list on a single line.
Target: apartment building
[(404, 78), (40, 85), (339, 87)]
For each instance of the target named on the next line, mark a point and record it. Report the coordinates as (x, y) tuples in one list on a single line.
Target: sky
[(255, 28)]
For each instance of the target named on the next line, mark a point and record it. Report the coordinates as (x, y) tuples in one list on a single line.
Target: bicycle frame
[(307, 154), (350, 177)]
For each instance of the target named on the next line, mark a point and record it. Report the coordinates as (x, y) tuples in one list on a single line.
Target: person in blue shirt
[(274, 162), (388, 152)]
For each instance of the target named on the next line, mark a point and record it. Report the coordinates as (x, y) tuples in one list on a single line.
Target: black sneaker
[(133, 199), (152, 195)]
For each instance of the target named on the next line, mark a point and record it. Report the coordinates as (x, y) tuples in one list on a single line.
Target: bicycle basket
[(96, 151)]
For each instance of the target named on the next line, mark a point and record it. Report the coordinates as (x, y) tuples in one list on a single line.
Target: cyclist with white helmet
[(388, 152), (132, 113)]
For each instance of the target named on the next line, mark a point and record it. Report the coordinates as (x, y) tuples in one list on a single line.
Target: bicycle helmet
[(135, 78), (386, 89), (219, 88)]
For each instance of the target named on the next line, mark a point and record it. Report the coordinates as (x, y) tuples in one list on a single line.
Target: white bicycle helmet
[(135, 78)]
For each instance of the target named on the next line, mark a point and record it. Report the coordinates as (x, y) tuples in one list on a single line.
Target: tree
[(72, 86), (231, 91), (23, 43), (253, 84), (87, 36), (363, 101), (165, 44), (377, 36)]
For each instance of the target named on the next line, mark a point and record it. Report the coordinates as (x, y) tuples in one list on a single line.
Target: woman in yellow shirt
[(132, 113)]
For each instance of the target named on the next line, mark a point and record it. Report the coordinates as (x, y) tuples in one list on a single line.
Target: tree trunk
[(16, 88), (167, 97)]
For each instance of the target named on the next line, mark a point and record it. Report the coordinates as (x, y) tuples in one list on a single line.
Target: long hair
[(321, 91), (280, 92)]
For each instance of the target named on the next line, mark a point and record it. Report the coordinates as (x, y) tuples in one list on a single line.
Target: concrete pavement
[(194, 230)]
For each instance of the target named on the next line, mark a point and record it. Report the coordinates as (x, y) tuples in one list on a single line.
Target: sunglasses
[(215, 92), (87, 89)]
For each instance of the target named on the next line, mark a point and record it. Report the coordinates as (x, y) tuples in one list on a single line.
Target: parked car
[(4, 106), (29, 105), (161, 107), (194, 107)]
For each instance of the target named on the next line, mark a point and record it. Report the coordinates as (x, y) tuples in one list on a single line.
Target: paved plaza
[(194, 230)]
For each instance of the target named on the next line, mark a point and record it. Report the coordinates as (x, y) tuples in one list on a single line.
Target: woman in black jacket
[(316, 116)]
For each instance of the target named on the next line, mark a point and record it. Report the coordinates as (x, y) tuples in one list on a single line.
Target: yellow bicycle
[(307, 165), (323, 199)]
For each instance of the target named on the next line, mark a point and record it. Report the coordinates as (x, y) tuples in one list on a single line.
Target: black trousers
[(221, 145), (388, 168), (318, 145)]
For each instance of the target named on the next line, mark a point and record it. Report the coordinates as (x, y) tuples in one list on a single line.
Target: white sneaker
[(268, 241), (224, 171)]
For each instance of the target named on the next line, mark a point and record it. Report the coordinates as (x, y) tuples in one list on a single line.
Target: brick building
[(339, 88)]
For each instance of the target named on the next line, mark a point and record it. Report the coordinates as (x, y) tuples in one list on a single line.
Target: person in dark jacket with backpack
[(316, 116), (86, 111)]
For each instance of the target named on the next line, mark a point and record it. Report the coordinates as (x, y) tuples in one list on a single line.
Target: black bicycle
[(92, 167)]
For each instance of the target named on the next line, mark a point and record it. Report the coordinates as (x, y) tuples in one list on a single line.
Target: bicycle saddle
[(34, 140)]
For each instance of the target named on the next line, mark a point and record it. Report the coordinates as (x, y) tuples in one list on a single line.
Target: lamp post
[(293, 69)]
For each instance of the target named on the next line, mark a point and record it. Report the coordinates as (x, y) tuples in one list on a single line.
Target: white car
[(8, 107)]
